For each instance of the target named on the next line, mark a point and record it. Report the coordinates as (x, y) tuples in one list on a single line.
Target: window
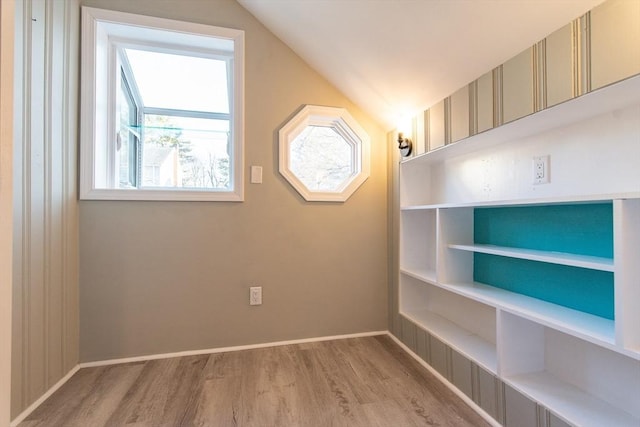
[(324, 153), (161, 109)]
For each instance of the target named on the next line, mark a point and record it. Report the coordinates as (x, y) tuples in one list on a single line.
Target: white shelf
[(423, 275), (588, 327), (597, 198), (583, 261), (573, 404), (457, 337)]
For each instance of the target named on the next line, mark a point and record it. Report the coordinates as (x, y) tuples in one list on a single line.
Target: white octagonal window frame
[(340, 121)]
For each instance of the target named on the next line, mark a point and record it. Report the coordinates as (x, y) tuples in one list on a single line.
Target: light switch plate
[(256, 174)]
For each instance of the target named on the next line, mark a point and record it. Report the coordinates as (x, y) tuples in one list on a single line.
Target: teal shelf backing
[(589, 291), (582, 229)]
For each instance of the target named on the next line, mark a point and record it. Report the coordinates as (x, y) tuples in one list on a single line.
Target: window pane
[(185, 152), (127, 139), (180, 82), (321, 158)]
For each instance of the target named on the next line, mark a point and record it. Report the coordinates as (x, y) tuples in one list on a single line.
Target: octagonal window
[(324, 153)]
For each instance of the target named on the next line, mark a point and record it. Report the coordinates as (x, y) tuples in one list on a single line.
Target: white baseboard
[(44, 397), (446, 382), (225, 349), (66, 378)]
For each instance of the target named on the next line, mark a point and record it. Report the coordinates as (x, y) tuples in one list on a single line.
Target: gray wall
[(160, 277), (45, 248)]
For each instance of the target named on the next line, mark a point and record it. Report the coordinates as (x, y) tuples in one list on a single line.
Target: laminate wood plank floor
[(352, 382)]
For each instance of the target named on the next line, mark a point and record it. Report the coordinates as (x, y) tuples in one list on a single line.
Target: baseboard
[(446, 382), (225, 349), (44, 397)]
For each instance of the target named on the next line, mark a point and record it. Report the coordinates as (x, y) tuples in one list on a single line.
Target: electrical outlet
[(255, 295), (541, 170)]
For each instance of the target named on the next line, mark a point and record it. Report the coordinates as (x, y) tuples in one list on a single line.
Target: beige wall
[(161, 277), (6, 203), (45, 225)]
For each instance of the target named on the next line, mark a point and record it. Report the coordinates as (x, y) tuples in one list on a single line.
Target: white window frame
[(105, 31), (346, 126)]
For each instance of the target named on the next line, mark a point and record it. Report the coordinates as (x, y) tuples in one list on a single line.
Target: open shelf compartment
[(467, 326), (571, 307), (587, 384), (418, 243)]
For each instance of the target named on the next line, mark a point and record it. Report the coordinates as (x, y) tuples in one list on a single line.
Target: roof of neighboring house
[(156, 156)]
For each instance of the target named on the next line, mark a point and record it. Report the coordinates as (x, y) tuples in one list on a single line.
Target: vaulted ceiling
[(398, 57)]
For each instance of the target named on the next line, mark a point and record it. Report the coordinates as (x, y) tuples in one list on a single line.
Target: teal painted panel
[(589, 291), (584, 229)]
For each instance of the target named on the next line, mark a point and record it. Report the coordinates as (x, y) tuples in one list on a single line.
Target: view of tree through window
[(321, 158), (185, 152), (178, 107)]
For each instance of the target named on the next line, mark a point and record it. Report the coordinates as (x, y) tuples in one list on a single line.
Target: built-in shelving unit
[(538, 285)]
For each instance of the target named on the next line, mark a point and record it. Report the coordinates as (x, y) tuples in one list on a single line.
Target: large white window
[(161, 109)]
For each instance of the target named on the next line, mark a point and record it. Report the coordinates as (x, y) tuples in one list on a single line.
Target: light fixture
[(405, 144)]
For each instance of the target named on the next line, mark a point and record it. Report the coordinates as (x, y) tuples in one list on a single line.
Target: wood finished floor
[(353, 382)]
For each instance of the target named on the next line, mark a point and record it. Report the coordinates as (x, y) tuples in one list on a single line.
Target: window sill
[(164, 195)]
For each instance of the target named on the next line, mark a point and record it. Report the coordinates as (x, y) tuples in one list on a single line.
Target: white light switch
[(256, 174)]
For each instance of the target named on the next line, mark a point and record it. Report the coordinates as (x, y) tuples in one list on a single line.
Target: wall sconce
[(405, 144)]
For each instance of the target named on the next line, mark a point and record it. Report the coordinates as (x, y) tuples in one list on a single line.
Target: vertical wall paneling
[(439, 356), (485, 105), (520, 411), (473, 107), (409, 333), (427, 131), (45, 248), (447, 120), (582, 54), (615, 41), (422, 345), (459, 126), (393, 237), (6, 202), (437, 125), (461, 375), (20, 131), (540, 76), (498, 101), (517, 86), (560, 55)]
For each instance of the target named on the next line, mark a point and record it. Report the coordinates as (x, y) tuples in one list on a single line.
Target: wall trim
[(446, 382), (17, 420), (225, 349)]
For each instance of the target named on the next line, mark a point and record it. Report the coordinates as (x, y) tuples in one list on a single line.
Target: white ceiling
[(398, 57)]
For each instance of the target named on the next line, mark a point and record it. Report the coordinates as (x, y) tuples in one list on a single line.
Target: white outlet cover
[(255, 295), (541, 170)]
